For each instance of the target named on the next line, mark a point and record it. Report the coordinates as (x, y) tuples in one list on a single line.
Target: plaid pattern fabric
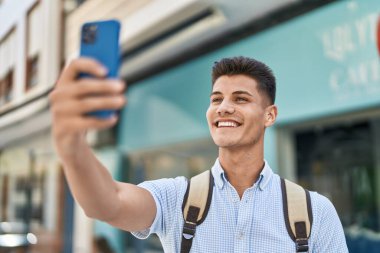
[(254, 223)]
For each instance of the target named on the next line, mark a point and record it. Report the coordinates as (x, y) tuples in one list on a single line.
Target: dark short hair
[(255, 69)]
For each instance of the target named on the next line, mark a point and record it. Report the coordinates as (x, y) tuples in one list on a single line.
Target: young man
[(246, 213)]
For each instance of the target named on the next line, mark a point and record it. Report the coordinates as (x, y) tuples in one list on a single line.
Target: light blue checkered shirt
[(253, 224)]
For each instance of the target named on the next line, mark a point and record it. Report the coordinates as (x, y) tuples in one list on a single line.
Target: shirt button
[(240, 235)]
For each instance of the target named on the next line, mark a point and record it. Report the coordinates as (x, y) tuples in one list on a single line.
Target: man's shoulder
[(321, 203)]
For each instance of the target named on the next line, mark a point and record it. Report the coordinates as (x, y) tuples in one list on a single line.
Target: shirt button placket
[(241, 238)]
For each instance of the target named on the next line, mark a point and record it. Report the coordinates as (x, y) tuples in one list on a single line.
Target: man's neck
[(242, 166)]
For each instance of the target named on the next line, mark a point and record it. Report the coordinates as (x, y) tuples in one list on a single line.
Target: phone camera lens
[(89, 34)]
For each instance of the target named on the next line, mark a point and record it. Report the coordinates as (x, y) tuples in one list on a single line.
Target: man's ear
[(270, 115)]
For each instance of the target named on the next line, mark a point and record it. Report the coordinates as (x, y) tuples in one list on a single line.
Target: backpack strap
[(297, 213), (195, 206)]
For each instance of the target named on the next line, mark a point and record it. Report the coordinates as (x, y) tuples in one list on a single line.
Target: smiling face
[(238, 113)]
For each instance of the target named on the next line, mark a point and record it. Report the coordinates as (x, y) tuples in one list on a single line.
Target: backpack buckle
[(189, 230), (302, 245)]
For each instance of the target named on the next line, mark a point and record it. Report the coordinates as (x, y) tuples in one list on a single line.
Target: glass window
[(2, 99), (7, 63), (34, 45), (32, 72), (340, 162), (6, 88), (31, 197), (4, 197), (34, 32)]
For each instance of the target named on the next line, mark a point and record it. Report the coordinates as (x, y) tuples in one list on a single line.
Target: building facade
[(32, 185)]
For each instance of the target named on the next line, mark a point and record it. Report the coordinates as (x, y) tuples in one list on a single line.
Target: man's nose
[(225, 108)]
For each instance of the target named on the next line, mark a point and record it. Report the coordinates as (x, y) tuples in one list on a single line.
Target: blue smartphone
[(100, 41)]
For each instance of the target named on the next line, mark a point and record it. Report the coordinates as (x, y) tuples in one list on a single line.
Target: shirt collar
[(220, 177)]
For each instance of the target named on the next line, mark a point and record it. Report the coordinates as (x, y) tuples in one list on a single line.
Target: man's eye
[(241, 99), (216, 100)]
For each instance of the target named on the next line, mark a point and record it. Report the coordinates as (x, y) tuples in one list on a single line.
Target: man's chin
[(225, 144)]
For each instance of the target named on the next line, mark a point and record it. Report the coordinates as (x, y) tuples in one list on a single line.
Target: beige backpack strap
[(297, 213), (195, 206)]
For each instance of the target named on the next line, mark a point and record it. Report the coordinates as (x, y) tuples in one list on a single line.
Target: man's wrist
[(69, 147)]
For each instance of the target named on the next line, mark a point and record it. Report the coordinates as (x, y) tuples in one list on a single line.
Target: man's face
[(238, 113)]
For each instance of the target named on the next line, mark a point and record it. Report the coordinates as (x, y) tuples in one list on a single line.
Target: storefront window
[(4, 197), (341, 162), (185, 159), (31, 197)]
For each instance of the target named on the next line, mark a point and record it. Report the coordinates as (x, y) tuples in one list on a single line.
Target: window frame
[(30, 59), (9, 74)]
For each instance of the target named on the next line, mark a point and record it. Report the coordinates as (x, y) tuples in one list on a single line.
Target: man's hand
[(73, 98)]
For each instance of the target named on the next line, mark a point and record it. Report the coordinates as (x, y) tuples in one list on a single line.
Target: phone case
[(100, 41)]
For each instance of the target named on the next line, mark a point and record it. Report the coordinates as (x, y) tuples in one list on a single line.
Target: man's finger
[(82, 65), (77, 124), (101, 103), (88, 86), (90, 122), (87, 105)]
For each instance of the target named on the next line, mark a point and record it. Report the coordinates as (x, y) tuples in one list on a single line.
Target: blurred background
[(323, 52)]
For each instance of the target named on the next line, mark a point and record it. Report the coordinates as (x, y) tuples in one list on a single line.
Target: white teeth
[(227, 124)]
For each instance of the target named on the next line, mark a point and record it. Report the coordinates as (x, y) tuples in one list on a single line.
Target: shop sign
[(355, 73)]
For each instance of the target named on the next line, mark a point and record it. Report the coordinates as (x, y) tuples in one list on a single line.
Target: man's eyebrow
[(238, 92), (216, 93), (242, 92)]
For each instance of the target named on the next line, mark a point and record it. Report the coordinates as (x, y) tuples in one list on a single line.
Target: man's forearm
[(91, 183)]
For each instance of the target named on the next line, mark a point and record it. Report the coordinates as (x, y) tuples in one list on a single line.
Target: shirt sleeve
[(329, 232), (166, 194)]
